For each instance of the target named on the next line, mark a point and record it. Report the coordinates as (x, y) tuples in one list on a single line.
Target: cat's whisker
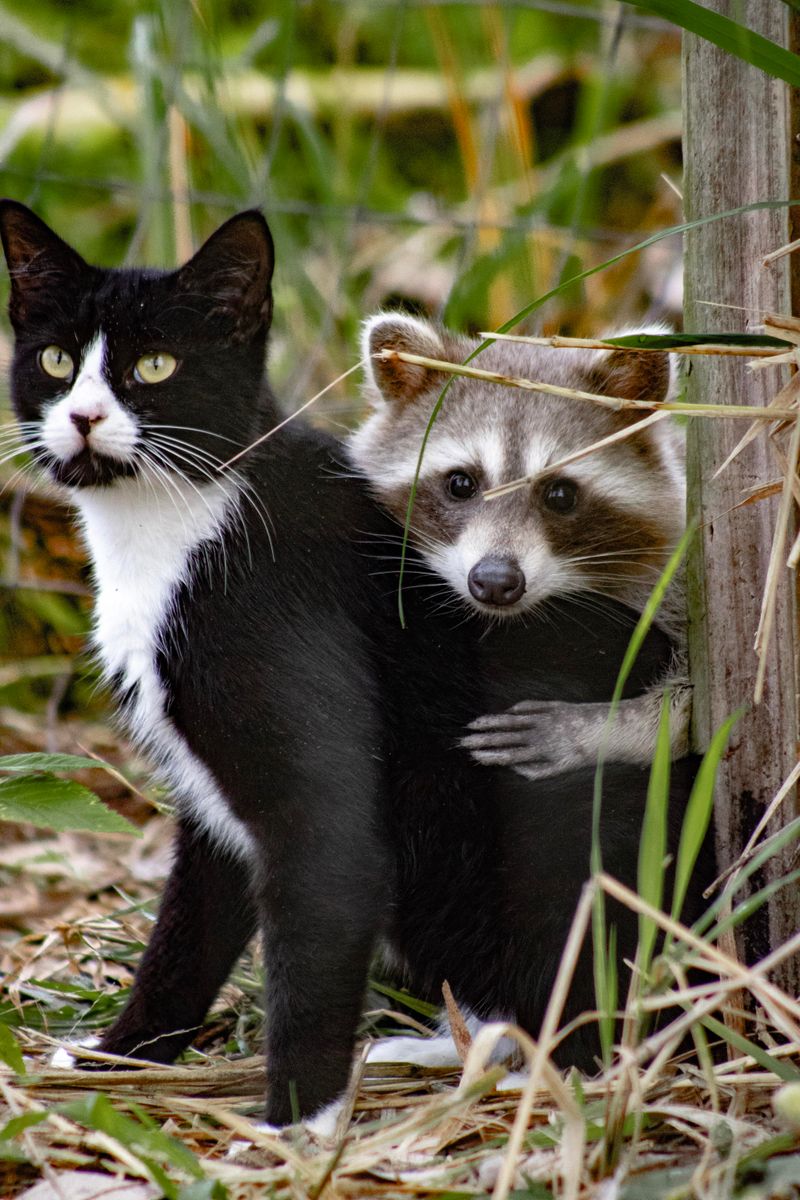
[(193, 429), (215, 480), (26, 468), (190, 456), (170, 488), (169, 466)]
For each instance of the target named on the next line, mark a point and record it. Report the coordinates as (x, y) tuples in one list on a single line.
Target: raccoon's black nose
[(496, 581)]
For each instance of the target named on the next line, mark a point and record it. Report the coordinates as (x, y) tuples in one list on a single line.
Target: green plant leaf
[(11, 1055), (52, 803), (729, 35), (423, 1007), (673, 341), (48, 762), (9, 1152), (142, 1137), (18, 1125), (204, 1189)]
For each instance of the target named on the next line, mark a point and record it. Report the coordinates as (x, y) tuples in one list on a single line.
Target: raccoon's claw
[(537, 738)]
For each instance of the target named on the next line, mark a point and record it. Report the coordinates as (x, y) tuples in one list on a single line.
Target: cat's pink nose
[(82, 423)]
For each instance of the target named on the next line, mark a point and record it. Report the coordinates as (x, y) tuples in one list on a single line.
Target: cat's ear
[(41, 265), (397, 381), (233, 270)]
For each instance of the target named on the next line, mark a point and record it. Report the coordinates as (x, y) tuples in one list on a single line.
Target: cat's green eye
[(56, 362), (154, 368)]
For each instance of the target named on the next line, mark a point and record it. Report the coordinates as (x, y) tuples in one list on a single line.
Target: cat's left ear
[(233, 270), (41, 265)]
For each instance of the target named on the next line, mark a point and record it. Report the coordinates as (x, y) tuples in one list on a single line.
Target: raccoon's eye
[(561, 495), (461, 486), (154, 368), (56, 362)]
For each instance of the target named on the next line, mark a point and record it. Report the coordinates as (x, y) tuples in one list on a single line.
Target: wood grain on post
[(739, 147)]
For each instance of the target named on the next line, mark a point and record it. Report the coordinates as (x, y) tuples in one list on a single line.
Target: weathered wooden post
[(740, 146)]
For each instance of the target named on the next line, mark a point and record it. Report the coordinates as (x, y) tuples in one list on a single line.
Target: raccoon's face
[(605, 523)]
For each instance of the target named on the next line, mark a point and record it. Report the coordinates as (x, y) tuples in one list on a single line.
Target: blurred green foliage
[(455, 158)]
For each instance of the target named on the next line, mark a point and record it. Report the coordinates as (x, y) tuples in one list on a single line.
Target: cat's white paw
[(423, 1052), (61, 1058), (514, 1081), (324, 1125)]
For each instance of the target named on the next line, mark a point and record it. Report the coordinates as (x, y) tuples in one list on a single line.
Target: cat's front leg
[(540, 738), (206, 917), (323, 898)]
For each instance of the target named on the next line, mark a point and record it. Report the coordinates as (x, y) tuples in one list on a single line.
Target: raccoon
[(603, 525)]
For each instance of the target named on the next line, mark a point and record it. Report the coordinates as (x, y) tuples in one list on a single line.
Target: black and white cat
[(254, 651)]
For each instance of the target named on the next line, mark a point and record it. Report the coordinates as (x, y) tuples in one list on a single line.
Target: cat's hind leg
[(206, 918)]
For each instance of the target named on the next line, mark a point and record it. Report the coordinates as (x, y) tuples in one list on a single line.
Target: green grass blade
[(653, 842), (783, 1068), (729, 35), (751, 904), (634, 646), (770, 847), (698, 812)]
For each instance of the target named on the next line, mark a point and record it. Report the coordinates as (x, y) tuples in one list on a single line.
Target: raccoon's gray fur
[(606, 523)]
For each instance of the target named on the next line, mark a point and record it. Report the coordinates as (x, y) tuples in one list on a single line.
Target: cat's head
[(117, 372)]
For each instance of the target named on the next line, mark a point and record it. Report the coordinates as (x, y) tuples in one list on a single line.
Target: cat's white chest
[(142, 543)]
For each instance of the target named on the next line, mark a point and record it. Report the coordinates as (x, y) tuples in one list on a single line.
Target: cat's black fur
[(331, 732)]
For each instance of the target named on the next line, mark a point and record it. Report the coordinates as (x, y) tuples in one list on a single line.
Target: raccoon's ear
[(645, 376), (233, 271), (43, 268), (401, 382)]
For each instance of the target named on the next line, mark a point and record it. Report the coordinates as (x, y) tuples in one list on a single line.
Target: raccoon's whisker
[(619, 552), (410, 571), (329, 473), (590, 601)]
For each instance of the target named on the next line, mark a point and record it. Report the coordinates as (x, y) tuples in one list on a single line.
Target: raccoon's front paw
[(538, 738)]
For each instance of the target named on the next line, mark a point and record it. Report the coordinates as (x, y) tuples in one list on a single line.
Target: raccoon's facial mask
[(598, 525)]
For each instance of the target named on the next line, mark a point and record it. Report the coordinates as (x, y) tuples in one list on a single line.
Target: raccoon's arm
[(540, 738)]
